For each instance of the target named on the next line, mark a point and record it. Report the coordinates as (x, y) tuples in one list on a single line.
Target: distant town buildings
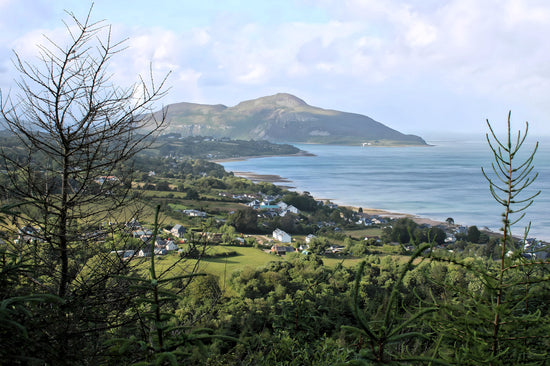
[(106, 178)]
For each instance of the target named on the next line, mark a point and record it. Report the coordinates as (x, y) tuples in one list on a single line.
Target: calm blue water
[(436, 182)]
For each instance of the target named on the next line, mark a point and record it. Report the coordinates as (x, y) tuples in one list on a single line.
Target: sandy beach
[(270, 178)]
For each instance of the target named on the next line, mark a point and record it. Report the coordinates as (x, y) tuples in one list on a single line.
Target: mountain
[(281, 118)]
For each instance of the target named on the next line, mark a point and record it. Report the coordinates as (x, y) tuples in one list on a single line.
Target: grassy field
[(207, 206), (364, 232), (346, 261), (246, 256), (224, 267)]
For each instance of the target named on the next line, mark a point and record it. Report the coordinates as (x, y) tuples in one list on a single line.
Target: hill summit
[(282, 118)]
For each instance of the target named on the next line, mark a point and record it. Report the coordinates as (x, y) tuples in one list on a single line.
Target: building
[(170, 245), (309, 238), (178, 231), (105, 179), (281, 236), (281, 249), (124, 254), (194, 213)]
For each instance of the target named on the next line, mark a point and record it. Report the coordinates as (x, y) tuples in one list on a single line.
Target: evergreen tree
[(78, 133), (501, 317)]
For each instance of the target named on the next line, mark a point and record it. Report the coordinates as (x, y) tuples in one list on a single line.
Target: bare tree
[(71, 168)]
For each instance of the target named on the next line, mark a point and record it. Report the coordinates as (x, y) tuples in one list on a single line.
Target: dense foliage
[(201, 147)]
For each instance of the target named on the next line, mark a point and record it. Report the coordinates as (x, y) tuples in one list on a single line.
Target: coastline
[(268, 178), (281, 181), (243, 158), (426, 175)]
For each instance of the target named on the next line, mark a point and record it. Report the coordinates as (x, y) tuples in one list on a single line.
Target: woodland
[(83, 169)]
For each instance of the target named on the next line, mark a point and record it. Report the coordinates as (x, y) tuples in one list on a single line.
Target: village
[(175, 238)]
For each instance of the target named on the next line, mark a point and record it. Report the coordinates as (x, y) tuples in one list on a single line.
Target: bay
[(440, 181)]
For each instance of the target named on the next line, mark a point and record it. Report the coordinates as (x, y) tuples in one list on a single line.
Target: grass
[(364, 232), (163, 194), (221, 267), (224, 267), (207, 206), (350, 262)]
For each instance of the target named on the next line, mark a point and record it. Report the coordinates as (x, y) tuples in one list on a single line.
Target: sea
[(437, 182)]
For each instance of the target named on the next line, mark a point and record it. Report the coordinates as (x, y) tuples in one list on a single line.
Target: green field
[(206, 205), (246, 256), (224, 267), (364, 232)]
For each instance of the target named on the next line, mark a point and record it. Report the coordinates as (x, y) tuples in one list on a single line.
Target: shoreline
[(391, 207), (243, 158), (277, 179)]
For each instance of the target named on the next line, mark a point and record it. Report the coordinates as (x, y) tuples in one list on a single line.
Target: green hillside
[(282, 118)]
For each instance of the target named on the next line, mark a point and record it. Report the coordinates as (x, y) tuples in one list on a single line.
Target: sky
[(424, 67)]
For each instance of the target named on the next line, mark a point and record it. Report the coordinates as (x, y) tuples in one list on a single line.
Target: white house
[(288, 209), (292, 209), (178, 230), (194, 213), (281, 236), (124, 254), (170, 245), (255, 204)]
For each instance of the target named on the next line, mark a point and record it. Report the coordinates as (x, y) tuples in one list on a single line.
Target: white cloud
[(365, 56), (201, 36), (252, 74)]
